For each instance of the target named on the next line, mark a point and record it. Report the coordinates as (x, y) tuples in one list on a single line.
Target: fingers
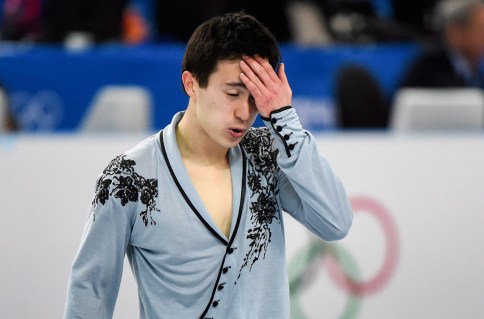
[(259, 71), (267, 68), (270, 89), (251, 86), (281, 73), (261, 68), (251, 79)]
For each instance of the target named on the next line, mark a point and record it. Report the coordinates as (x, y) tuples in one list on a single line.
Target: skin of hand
[(270, 90)]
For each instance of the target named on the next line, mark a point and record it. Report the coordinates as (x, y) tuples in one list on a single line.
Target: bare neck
[(196, 146)]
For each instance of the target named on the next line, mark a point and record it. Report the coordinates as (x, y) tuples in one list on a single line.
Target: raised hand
[(270, 90)]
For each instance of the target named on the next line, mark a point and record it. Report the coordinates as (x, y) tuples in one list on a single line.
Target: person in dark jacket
[(456, 60)]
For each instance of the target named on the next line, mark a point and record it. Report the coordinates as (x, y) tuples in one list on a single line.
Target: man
[(197, 207), (456, 62)]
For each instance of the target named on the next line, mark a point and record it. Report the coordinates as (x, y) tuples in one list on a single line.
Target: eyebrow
[(236, 84)]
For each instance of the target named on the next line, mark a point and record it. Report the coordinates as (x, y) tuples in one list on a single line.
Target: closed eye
[(233, 94)]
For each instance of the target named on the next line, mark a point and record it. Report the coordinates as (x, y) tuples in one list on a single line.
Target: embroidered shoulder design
[(264, 188), (119, 179)]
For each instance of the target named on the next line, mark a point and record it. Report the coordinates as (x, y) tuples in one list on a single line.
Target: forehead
[(226, 71)]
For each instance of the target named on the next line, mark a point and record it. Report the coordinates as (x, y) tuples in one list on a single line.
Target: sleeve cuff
[(285, 126)]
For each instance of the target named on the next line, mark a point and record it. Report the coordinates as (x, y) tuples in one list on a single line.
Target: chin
[(231, 143)]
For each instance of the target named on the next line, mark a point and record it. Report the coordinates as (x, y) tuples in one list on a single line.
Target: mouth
[(237, 132)]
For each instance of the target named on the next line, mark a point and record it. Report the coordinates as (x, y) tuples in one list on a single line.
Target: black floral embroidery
[(264, 188), (127, 186)]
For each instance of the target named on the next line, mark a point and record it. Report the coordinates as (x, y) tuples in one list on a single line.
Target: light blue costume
[(146, 207)]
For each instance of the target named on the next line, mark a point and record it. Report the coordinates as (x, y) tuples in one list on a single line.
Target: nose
[(243, 111)]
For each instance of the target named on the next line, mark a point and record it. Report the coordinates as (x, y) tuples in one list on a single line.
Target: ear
[(189, 83)]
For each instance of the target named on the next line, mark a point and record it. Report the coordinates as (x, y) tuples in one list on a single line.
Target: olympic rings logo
[(37, 111), (341, 266)]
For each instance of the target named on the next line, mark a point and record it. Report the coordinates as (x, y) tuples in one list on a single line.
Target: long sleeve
[(97, 269), (309, 189)]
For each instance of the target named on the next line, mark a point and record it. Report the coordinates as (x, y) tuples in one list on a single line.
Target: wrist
[(268, 116)]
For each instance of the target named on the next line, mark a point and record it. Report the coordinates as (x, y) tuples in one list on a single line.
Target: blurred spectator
[(308, 26), (136, 29), (368, 21), (7, 121), (21, 20), (455, 60), (139, 21), (416, 16), (360, 101), (100, 21)]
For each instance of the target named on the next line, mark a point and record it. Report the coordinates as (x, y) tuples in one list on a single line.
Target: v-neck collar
[(237, 160)]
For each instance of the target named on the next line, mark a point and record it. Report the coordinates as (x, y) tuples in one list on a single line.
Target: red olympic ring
[(388, 267)]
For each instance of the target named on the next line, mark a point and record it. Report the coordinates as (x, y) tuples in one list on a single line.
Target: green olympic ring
[(342, 267), (297, 269)]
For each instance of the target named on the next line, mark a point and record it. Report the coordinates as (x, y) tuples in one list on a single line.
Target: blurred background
[(391, 89), (351, 63)]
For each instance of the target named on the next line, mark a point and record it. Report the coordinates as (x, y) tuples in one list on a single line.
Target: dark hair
[(227, 37)]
